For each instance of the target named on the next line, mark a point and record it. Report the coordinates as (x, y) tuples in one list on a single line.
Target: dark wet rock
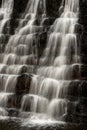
[(42, 43), (4, 38), (83, 71), (13, 25), (13, 112), (83, 59), (77, 89), (10, 124), (23, 84), (6, 27), (53, 7), (73, 89), (79, 71), (76, 112), (67, 118), (83, 47), (74, 119), (48, 21), (83, 89), (75, 72), (1, 16), (0, 2), (78, 28), (19, 9), (80, 109)]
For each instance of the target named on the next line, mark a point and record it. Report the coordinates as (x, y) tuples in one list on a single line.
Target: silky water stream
[(46, 101)]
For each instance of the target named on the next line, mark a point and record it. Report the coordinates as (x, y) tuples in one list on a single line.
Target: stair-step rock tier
[(43, 60)]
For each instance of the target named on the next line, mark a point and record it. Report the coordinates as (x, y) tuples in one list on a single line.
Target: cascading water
[(5, 12), (30, 16), (20, 53), (48, 89)]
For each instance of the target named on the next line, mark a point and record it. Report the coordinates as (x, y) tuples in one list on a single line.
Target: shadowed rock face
[(52, 7), (83, 35), (21, 8), (0, 2), (83, 13), (23, 84)]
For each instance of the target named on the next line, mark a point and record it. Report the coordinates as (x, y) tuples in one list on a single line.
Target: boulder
[(23, 83)]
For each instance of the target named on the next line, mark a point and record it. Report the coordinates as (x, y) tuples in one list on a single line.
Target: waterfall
[(20, 55), (30, 15), (7, 7), (56, 65), (5, 13), (47, 96)]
